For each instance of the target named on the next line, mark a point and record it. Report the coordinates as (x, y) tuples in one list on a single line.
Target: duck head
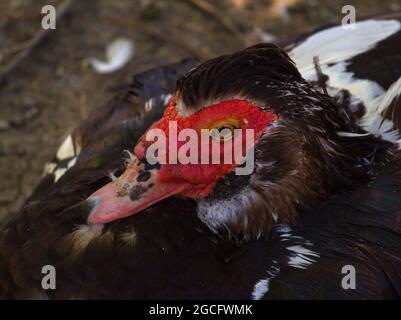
[(246, 137)]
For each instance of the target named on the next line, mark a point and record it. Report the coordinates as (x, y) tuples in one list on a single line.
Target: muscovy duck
[(325, 191)]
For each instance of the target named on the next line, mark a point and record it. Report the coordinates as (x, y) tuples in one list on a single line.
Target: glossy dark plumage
[(167, 252)]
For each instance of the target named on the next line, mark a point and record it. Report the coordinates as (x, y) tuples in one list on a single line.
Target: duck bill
[(135, 190)]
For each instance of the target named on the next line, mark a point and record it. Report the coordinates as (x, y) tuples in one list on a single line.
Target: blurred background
[(48, 83)]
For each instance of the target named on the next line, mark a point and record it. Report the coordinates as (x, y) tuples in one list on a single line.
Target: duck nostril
[(149, 166), (143, 176)]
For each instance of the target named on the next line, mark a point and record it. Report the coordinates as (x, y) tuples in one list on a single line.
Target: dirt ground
[(54, 88)]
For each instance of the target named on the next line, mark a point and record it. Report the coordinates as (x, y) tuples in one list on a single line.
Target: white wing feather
[(335, 47)]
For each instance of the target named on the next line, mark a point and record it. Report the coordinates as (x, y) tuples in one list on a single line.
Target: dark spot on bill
[(136, 192), (143, 176)]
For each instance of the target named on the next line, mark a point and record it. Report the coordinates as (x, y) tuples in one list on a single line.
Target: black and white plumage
[(168, 252)]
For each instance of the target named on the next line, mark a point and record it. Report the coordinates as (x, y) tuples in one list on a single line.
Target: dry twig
[(161, 36), (211, 10), (26, 48)]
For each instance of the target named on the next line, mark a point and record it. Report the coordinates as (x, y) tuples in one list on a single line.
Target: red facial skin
[(115, 200), (203, 177)]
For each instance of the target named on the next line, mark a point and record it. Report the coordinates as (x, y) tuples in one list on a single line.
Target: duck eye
[(223, 133)]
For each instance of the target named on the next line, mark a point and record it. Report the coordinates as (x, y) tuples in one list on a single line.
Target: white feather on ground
[(118, 53)]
